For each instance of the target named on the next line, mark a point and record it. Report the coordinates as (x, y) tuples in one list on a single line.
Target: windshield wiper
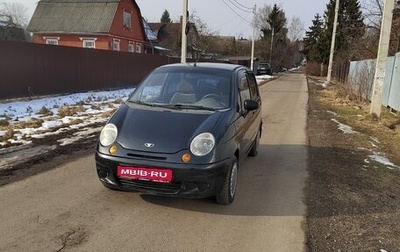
[(142, 103), (188, 106)]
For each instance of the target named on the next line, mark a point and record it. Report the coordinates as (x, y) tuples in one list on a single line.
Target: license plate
[(149, 174)]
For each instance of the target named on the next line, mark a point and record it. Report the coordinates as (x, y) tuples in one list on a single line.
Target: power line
[(235, 11), (238, 7), (250, 9)]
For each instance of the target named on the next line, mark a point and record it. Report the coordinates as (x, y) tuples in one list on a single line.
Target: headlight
[(108, 134), (202, 144)]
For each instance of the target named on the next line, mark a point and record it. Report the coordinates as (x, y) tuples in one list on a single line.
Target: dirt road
[(67, 209)]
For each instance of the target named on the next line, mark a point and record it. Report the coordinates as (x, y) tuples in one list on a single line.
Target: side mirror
[(250, 105)]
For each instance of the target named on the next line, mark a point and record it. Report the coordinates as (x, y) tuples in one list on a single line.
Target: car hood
[(160, 130)]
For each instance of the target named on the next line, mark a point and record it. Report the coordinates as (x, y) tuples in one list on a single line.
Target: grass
[(356, 113), (31, 123), (45, 111), (64, 111), (4, 123)]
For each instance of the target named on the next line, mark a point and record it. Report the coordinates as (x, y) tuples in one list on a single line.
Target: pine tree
[(276, 29), (350, 26), (277, 22), (165, 18), (350, 30), (315, 42)]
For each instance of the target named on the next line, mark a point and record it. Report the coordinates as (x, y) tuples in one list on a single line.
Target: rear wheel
[(228, 192), (256, 145)]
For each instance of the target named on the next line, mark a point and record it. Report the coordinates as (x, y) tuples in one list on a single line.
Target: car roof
[(205, 65)]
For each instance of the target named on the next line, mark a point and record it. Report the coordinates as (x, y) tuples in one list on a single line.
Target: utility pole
[(383, 51), (254, 34), (272, 44), (330, 66), (184, 35)]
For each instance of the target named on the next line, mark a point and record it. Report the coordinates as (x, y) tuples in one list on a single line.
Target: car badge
[(149, 145)]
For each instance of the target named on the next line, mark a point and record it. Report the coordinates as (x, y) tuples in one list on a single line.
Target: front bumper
[(188, 181)]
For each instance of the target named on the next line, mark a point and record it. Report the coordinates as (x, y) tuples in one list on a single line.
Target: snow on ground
[(375, 156), (345, 128), (262, 78), (93, 103), (23, 110)]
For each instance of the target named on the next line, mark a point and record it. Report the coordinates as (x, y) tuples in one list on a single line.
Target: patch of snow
[(51, 124), (373, 144), (333, 113), (262, 78), (380, 158), (78, 136), (95, 104), (25, 109), (345, 128), (376, 140)]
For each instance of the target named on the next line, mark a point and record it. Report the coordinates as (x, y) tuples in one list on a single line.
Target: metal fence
[(361, 78), (28, 69)]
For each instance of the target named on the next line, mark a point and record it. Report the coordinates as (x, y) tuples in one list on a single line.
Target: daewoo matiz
[(183, 132)]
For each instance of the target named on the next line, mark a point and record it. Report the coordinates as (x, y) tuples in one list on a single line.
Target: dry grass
[(4, 123), (108, 114), (45, 112), (70, 110), (9, 133), (31, 123), (356, 113), (76, 121)]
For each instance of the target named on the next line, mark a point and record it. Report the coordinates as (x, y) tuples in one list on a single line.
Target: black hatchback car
[(183, 132), (264, 68)]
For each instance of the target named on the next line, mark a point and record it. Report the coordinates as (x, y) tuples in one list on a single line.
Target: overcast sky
[(227, 17)]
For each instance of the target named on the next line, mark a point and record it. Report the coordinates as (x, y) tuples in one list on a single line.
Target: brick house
[(102, 24)]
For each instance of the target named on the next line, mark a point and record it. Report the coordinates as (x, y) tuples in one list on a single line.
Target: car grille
[(146, 156), (142, 185)]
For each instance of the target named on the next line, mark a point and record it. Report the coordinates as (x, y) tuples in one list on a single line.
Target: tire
[(228, 192), (256, 145)]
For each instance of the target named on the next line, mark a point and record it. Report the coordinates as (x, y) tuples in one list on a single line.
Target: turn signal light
[(186, 157), (113, 149)]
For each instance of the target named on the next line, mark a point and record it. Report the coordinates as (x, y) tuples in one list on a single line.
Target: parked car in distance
[(183, 132), (264, 69)]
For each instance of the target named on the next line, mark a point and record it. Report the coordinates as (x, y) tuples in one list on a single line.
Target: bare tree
[(14, 13), (373, 10), (296, 29)]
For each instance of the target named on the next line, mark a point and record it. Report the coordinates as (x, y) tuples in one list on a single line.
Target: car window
[(244, 89), (253, 86), (153, 90), (209, 88)]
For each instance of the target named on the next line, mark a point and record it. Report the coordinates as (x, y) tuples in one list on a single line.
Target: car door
[(245, 118), (255, 115)]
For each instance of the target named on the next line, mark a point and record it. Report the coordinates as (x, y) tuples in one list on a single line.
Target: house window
[(127, 20), (115, 44), (52, 41), (89, 43), (138, 47), (131, 47)]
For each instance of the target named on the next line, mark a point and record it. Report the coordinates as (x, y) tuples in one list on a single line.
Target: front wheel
[(228, 192)]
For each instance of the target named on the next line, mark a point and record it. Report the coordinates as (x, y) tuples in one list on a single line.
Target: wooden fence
[(28, 69)]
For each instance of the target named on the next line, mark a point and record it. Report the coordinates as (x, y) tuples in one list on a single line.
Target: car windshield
[(185, 88)]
